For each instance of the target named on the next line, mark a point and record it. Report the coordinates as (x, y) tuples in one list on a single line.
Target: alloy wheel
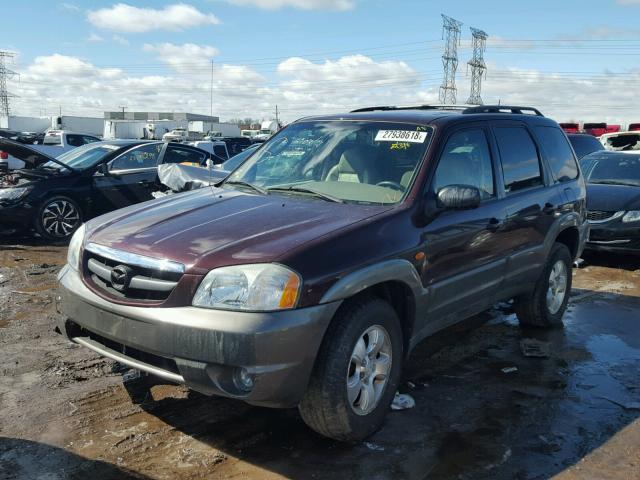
[(60, 218), (368, 371), (557, 286)]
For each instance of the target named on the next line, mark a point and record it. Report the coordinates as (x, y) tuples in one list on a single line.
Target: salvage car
[(613, 200), (308, 275), (54, 196)]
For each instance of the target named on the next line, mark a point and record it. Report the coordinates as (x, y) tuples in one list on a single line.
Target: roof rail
[(504, 109), (410, 107)]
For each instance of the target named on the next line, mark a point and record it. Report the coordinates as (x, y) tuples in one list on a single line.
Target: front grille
[(598, 215), (143, 282)]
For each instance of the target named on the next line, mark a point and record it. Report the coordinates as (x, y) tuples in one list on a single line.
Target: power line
[(5, 73), (450, 30)]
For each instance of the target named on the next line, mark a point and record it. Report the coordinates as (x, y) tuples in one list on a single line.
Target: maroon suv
[(308, 275)]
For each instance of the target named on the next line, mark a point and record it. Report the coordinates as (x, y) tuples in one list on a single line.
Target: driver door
[(464, 255), (131, 178)]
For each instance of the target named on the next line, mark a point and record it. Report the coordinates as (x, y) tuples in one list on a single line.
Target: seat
[(356, 165)]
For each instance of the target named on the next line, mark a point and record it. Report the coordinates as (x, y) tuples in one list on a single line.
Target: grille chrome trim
[(134, 259), (138, 282), (613, 216)]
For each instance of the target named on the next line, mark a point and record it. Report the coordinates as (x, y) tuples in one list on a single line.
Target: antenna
[(5, 74), (478, 67), (451, 35)]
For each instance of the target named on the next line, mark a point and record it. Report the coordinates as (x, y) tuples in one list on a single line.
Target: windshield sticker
[(400, 135), (400, 146)]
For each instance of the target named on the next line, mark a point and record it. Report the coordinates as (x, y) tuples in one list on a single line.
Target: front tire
[(545, 306), (357, 371), (58, 217)]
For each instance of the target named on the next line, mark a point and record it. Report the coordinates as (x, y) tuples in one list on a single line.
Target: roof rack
[(504, 109), (466, 109)]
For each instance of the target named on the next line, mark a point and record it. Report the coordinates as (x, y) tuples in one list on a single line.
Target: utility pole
[(211, 92), (478, 67), (277, 119), (122, 112), (451, 36), (5, 74)]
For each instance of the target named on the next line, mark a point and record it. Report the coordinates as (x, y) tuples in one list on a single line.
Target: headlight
[(73, 254), (13, 193), (632, 216), (260, 287)]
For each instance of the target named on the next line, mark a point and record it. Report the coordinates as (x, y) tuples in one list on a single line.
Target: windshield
[(348, 161), (82, 157), (623, 142), (236, 160), (612, 168)]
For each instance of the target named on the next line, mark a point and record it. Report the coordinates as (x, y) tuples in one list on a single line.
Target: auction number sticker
[(401, 136)]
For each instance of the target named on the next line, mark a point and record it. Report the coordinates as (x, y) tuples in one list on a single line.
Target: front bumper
[(16, 217), (615, 237), (202, 348)]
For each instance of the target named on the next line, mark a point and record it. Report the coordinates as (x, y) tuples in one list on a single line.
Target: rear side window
[(183, 155), (559, 153), (75, 140), (520, 162)]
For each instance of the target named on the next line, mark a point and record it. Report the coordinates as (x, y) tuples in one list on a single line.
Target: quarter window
[(466, 161), (145, 156), (559, 153), (520, 162)]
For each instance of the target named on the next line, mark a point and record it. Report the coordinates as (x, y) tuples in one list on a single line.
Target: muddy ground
[(574, 413)]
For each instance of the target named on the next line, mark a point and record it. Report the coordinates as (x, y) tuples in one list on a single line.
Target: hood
[(213, 227), (28, 155), (612, 198)]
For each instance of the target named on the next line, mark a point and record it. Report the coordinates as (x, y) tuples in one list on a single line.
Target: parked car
[(613, 200), (308, 276), (54, 144), (595, 129), (176, 135), (584, 144), (235, 161), (235, 145), (622, 141), (55, 195)]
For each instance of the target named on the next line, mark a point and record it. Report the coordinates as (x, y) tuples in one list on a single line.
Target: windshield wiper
[(246, 184), (324, 196), (615, 182)]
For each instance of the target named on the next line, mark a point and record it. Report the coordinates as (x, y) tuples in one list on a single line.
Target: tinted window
[(220, 151), (87, 139), (585, 144), (520, 162), (74, 140), (559, 153), (612, 168), (466, 161), (145, 156), (183, 155)]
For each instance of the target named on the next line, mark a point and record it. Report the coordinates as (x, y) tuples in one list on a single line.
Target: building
[(154, 116)]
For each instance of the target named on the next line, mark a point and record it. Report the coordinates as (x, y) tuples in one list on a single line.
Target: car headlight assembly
[(73, 253), (631, 216), (259, 288), (13, 193)]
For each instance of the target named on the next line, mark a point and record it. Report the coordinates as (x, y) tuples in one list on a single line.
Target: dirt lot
[(575, 413)]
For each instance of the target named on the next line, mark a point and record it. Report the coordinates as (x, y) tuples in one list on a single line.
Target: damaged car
[(54, 196), (307, 277)]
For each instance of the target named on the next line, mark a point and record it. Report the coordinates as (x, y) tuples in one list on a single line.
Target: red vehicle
[(570, 127), (634, 127), (613, 128), (595, 129)]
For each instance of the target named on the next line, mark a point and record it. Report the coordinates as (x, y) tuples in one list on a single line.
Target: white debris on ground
[(402, 401)]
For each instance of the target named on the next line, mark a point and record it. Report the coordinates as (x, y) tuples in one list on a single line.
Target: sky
[(573, 59)]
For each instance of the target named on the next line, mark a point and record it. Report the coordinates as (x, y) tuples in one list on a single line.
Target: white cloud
[(95, 38), (300, 4), (120, 40), (126, 18), (183, 57), (69, 7)]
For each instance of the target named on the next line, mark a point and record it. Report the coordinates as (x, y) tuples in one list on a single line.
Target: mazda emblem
[(121, 277)]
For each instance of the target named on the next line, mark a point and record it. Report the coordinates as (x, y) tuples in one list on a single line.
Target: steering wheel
[(391, 184)]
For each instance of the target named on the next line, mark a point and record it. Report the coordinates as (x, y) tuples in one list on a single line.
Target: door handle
[(494, 224), (548, 208)]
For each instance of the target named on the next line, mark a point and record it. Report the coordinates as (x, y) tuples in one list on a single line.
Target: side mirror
[(459, 197), (103, 169)]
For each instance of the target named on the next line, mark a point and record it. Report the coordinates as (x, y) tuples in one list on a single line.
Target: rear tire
[(349, 395), (545, 306), (58, 217)]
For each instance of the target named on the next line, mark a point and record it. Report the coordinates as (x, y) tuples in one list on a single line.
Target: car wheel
[(546, 305), (356, 373), (58, 218)]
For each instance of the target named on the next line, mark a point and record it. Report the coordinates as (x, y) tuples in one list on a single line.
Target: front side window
[(348, 161), (559, 154), (520, 162), (145, 156), (466, 161)]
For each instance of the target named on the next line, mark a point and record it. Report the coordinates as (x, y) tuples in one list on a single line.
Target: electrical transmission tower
[(5, 73), (451, 35), (478, 67)]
